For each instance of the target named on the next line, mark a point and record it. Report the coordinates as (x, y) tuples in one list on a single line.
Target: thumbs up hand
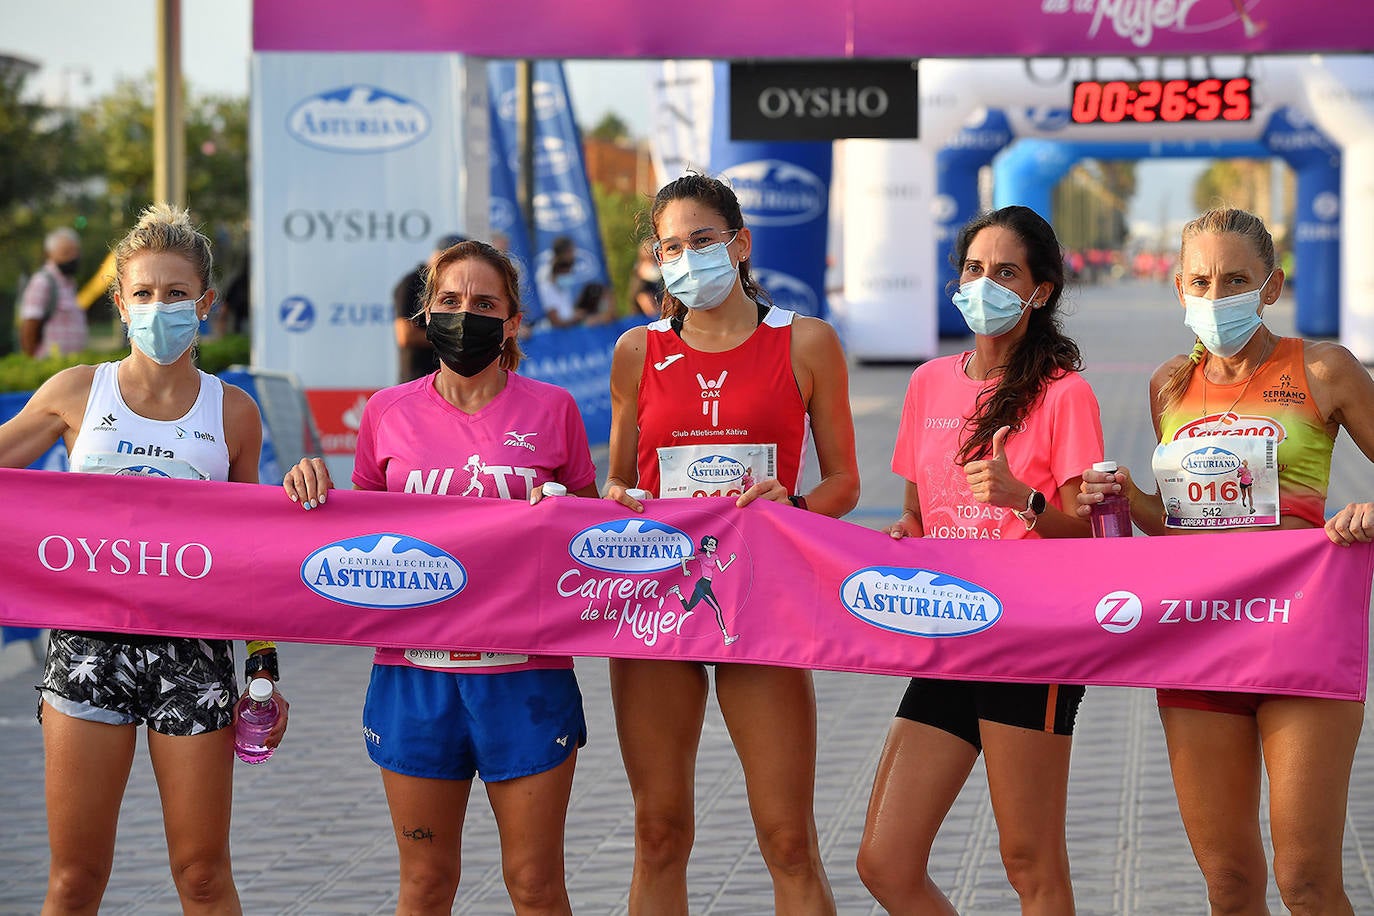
[(991, 480)]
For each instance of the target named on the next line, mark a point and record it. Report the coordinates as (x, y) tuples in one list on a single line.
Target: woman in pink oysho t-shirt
[(991, 443), (434, 719)]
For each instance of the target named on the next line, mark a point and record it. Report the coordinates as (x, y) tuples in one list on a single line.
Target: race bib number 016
[(1219, 481), (713, 470)]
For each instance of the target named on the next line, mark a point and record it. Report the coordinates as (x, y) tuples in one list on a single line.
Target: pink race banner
[(817, 28), (1280, 612)]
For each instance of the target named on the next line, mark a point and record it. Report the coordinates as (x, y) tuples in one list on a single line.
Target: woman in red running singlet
[(723, 367)]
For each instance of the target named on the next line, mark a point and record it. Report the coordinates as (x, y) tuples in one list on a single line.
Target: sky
[(86, 46)]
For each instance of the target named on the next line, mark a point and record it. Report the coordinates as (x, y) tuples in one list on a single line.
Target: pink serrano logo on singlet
[(1231, 424)]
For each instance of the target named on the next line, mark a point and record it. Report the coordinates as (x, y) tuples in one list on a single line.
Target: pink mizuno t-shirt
[(1061, 436), (411, 440)]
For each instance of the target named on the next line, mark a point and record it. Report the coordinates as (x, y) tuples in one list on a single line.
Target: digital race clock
[(1117, 101)]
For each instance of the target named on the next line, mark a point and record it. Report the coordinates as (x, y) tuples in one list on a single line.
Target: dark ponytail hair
[(715, 194), (1043, 355)]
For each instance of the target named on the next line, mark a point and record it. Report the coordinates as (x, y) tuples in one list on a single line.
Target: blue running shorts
[(440, 725)]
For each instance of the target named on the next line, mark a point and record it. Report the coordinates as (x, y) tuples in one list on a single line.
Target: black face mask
[(466, 342), (68, 268)]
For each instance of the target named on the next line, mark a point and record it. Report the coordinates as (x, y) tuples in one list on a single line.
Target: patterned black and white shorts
[(177, 686)]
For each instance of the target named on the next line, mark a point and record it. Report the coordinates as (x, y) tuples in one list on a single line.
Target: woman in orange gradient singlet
[(1276, 404)]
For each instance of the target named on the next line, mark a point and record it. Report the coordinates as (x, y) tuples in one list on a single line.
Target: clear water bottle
[(1111, 518), (256, 720), (554, 489)]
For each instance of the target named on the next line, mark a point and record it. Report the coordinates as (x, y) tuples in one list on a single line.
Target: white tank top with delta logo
[(115, 440)]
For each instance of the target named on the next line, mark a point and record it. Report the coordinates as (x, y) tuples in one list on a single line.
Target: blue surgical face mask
[(164, 331), (701, 280), (989, 308), (1224, 325)]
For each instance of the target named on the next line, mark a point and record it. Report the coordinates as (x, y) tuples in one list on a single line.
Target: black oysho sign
[(823, 100)]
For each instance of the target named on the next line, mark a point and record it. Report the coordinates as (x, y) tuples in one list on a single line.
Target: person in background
[(432, 725), (594, 305), (51, 322), (416, 353), (990, 444), (1221, 742), (558, 286), (647, 283), (97, 688), (770, 375), (233, 317)]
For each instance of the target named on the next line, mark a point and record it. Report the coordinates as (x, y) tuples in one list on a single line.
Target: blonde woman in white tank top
[(122, 418)]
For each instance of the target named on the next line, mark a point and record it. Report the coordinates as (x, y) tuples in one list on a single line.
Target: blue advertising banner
[(563, 204), (507, 218), (784, 192), (579, 359), (1316, 237), (956, 202)]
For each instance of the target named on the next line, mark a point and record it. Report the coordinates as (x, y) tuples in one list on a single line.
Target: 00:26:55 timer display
[(1115, 101)]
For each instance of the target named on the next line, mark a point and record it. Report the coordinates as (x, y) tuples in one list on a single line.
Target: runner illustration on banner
[(702, 591)]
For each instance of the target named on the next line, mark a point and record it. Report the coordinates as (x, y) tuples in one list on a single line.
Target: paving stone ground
[(311, 833)]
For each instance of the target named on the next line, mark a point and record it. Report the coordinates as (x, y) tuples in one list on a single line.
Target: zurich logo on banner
[(632, 545), (297, 314), (787, 291), (559, 211), (386, 571), (358, 119), (919, 602), (776, 193)]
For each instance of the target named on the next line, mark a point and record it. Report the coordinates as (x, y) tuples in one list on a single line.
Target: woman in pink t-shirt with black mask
[(434, 719), (992, 443)]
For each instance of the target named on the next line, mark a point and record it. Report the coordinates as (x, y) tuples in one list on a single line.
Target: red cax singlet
[(744, 395)]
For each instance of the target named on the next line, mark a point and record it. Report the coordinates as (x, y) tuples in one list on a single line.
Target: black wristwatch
[(263, 661), (1035, 505)]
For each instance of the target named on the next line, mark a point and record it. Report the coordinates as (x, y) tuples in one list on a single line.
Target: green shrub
[(22, 373), (219, 353)]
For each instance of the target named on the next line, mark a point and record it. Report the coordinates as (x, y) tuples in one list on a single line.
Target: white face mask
[(1225, 325), (988, 307), (164, 330), (701, 280)]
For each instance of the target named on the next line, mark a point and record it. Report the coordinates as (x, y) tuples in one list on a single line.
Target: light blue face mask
[(1225, 325), (164, 331), (701, 280), (988, 307)]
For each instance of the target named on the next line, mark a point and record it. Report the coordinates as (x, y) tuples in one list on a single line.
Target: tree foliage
[(36, 158), (611, 128), (618, 215), (92, 169)]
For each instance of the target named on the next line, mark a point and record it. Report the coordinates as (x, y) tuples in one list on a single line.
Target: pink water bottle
[(1111, 518), (256, 720)]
